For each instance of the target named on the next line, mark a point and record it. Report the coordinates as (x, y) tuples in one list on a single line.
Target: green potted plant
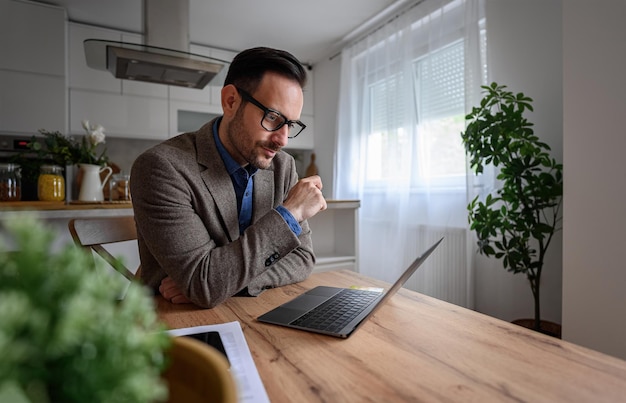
[(516, 222), (64, 335), (65, 150), (87, 153)]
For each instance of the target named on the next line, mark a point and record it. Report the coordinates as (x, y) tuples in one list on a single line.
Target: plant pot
[(547, 327)]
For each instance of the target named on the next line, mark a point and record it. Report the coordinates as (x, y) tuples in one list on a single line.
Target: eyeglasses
[(272, 119)]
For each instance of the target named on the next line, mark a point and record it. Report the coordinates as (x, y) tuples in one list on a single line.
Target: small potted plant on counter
[(517, 222), (87, 153), (64, 335), (65, 150)]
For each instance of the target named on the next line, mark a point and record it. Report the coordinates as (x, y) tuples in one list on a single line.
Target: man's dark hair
[(248, 67)]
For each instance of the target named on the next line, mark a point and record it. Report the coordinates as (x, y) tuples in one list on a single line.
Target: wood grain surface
[(414, 349)]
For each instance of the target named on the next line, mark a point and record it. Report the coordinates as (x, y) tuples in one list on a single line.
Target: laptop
[(337, 311)]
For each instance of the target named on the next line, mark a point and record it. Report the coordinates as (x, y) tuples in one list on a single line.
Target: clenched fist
[(305, 198)]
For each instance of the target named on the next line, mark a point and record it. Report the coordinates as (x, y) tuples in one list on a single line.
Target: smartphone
[(213, 339)]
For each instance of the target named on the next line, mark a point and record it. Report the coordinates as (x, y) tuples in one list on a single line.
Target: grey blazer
[(187, 222)]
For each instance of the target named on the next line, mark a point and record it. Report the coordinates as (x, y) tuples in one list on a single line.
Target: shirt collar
[(231, 165)]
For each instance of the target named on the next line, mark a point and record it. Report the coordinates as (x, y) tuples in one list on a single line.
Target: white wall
[(326, 104), (524, 53), (594, 272)]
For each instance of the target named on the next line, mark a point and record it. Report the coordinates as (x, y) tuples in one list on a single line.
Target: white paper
[(249, 385)]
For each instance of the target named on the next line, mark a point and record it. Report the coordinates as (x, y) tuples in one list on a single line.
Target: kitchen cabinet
[(124, 116), (80, 75), (32, 38), (187, 116), (30, 102), (45, 82), (32, 67)]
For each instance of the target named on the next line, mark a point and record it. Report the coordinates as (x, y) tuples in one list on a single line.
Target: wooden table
[(415, 348)]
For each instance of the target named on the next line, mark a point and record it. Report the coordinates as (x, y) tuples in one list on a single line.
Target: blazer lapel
[(218, 181), (220, 185)]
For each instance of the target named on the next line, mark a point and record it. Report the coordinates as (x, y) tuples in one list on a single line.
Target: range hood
[(164, 58)]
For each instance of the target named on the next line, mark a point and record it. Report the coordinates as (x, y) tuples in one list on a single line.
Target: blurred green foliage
[(64, 335)]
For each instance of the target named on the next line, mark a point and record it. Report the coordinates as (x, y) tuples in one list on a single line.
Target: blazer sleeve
[(294, 267)]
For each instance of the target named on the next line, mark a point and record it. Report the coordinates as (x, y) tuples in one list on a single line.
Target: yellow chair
[(198, 373), (92, 233)]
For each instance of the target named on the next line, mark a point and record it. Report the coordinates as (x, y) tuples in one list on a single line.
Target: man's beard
[(237, 135)]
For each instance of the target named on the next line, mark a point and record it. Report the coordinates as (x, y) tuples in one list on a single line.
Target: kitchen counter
[(75, 209), (54, 210), (335, 229), (56, 216)]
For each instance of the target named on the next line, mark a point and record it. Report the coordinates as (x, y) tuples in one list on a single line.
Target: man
[(220, 211)]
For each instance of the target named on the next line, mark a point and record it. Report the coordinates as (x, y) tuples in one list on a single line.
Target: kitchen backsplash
[(123, 152)]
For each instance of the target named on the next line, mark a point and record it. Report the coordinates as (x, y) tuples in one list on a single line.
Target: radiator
[(446, 273)]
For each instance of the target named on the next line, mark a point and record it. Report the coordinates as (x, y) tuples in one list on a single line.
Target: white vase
[(91, 185)]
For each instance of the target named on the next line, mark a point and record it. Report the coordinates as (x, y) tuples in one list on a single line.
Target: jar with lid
[(51, 183), (10, 182)]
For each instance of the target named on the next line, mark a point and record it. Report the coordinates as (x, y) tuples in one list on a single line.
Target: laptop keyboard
[(338, 311)]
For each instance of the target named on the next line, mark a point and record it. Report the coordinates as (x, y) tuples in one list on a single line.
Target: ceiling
[(312, 30)]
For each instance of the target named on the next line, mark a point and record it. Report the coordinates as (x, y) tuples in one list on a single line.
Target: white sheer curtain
[(405, 90)]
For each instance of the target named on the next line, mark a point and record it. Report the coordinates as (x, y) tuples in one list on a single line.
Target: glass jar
[(51, 183), (119, 187), (10, 182)]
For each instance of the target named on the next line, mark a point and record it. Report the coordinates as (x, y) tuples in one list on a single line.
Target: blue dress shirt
[(243, 184)]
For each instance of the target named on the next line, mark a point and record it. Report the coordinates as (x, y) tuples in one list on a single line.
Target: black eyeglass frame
[(246, 96)]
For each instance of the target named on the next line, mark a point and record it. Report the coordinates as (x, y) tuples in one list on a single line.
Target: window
[(388, 144), (424, 149), (440, 108)]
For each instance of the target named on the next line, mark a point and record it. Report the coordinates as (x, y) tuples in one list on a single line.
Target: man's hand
[(305, 198), (170, 291)]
